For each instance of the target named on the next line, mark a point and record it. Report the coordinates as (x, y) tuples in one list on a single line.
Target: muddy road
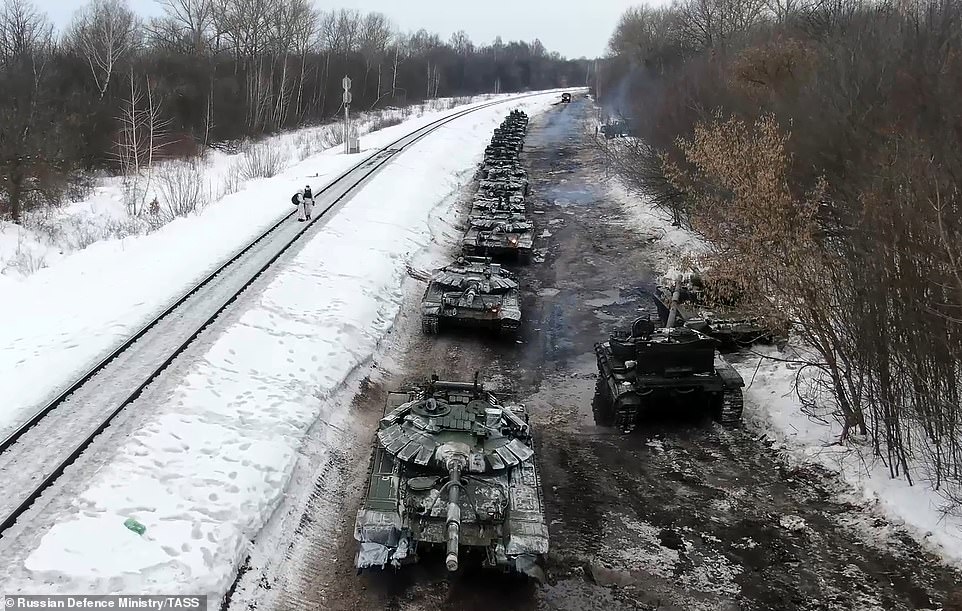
[(677, 516)]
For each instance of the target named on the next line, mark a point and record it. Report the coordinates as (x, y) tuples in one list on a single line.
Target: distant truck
[(565, 97)]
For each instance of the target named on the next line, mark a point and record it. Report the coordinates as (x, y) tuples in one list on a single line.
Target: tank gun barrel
[(454, 517), (673, 307)]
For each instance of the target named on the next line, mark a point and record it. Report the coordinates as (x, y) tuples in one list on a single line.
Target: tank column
[(454, 517)]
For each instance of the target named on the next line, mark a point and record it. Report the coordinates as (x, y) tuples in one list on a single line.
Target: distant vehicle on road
[(565, 97)]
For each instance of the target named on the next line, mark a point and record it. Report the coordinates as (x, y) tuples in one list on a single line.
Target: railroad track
[(36, 454)]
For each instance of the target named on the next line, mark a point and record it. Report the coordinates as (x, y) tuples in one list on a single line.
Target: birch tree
[(104, 32)]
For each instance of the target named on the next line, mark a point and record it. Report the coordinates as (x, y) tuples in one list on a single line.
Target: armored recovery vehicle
[(452, 468), (655, 368), (723, 321), (472, 292)]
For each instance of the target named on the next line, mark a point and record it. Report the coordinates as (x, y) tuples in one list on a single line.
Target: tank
[(652, 368), (452, 474), (565, 97), (472, 292), (503, 186), (732, 327), (499, 235), (484, 205)]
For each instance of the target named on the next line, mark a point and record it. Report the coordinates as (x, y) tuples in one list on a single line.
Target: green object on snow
[(135, 526)]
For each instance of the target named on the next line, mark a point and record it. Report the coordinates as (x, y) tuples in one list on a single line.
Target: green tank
[(452, 471)]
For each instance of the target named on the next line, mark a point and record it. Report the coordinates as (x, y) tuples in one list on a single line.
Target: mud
[(682, 515)]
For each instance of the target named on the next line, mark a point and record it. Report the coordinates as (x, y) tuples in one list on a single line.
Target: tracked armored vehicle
[(472, 292), (731, 327), (452, 470), (501, 235), (656, 368), (503, 186), (484, 205), (503, 171)]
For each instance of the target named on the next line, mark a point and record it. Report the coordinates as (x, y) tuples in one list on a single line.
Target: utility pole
[(346, 83)]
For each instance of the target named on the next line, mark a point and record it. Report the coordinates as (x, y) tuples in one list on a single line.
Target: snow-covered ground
[(48, 236), (209, 454), (773, 409), (62, 318)]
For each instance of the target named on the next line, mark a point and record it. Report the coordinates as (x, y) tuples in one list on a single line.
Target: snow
[(208, 461), (772, 408), (70, 314), (49, 236)]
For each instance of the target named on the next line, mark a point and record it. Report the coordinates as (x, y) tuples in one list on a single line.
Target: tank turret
[(452, 470)]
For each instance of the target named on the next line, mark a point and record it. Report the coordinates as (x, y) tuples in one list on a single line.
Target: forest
[(814, 144), (114, 92)]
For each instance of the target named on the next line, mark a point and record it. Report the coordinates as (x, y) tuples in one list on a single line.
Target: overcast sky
[(574, 28)]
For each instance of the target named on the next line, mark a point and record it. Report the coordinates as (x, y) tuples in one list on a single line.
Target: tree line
[(116, 91), (814, 143)]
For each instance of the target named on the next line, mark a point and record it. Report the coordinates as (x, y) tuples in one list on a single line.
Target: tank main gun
[(454, 512)]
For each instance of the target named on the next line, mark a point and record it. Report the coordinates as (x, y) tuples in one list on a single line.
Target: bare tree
[(23, 30), (104, 32), (26, 137), (187, 25)]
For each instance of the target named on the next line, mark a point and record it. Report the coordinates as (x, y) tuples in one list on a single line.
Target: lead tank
[(452, 471), (653, 368), (474, 292)]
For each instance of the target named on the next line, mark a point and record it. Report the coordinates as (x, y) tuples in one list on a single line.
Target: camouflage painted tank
[(654, 369), (499, 235), (502, 171), (503, 186), (472, 292), (452, 471), (484, 205)]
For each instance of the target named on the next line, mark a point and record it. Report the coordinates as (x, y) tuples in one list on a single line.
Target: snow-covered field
[(62, 318), (48, 236), (773, 409), (210, 453)]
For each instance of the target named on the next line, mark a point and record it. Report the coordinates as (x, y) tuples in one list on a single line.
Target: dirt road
[(681, 516)]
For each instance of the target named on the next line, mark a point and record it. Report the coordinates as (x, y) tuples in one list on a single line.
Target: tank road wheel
[(429, 325), (601, 405), (730, 413)]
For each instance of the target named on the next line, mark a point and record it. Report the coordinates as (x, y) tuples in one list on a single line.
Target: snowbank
[(772, 407), (210, 462), (62, 319)]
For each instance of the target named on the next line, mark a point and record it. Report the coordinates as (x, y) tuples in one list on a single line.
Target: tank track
[(731, 407), (601, 404), (429, 325)]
